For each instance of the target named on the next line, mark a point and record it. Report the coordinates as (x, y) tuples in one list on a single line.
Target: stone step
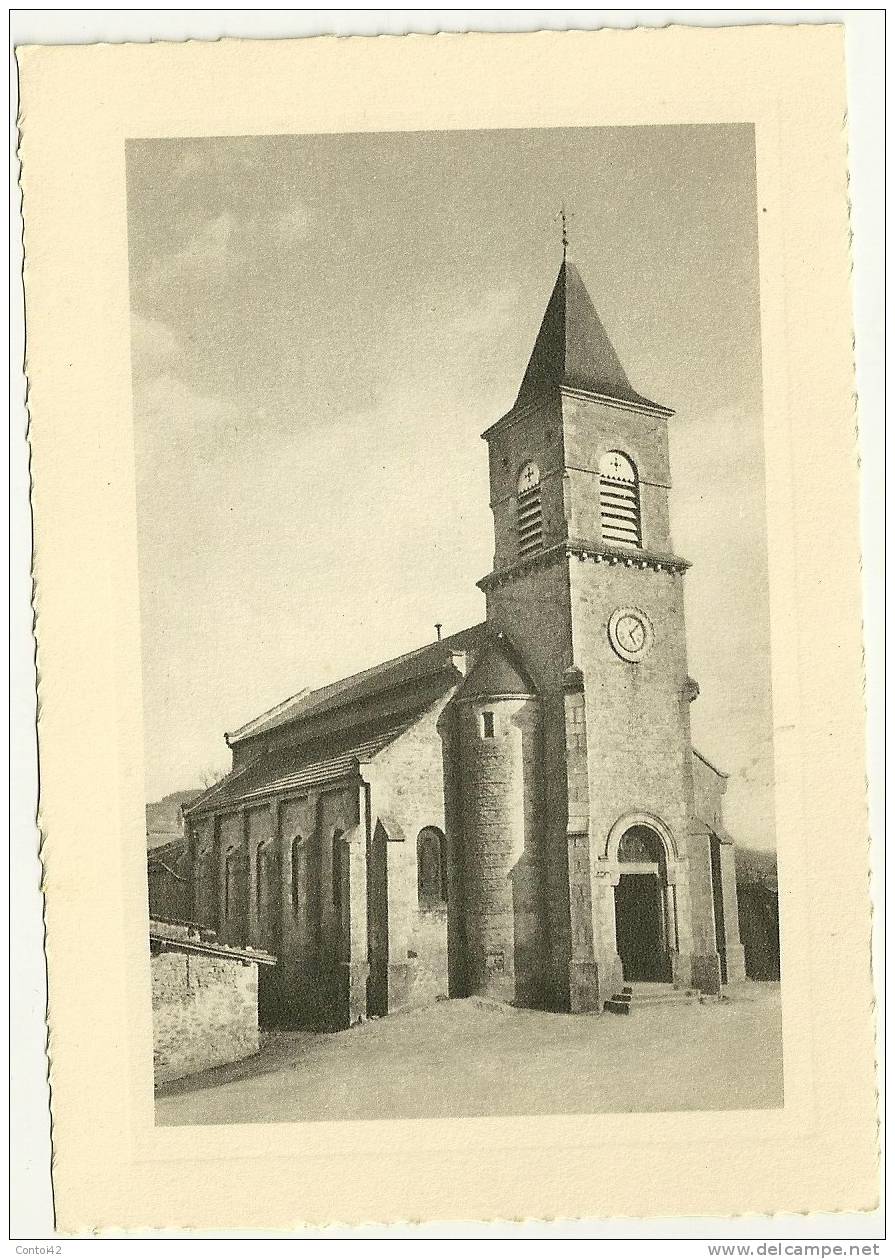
[(639, 995), (661, 994), (676, 998)]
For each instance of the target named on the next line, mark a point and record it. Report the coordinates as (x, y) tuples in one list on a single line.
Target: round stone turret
[(499, 720)]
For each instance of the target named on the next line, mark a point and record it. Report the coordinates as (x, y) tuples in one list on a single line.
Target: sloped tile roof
[(411, 667), (276, 772)]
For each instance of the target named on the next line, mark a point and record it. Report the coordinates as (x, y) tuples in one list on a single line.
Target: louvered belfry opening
[(529, 523), (619, 500)]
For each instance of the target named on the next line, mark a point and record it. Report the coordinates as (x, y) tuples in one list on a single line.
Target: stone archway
[(645, 926)]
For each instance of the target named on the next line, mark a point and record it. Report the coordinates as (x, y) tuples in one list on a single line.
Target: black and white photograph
[(459, 771)]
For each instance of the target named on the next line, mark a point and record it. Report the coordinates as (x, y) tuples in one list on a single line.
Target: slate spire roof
[(573, 349)]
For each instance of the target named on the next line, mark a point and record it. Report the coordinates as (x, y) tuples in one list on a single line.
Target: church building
[(515, 810)]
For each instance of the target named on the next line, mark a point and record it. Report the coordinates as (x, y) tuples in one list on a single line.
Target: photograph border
[(803, 156)]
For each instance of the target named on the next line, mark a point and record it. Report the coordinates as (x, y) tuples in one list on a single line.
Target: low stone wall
[(204, 1005)]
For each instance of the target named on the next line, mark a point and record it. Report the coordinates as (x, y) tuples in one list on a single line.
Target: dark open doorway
[(640, 929), (644, 917)]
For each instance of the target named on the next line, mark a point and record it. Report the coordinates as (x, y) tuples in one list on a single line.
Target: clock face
[(529, 477), (630, 633)]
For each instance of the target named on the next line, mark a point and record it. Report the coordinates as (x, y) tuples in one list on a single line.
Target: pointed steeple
[(573, 349)]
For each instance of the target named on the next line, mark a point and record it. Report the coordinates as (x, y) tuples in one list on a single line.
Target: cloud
[(176, 424), (211, 246), (213, 250), (154, 344), (203, 253)]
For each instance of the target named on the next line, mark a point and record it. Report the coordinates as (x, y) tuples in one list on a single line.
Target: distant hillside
[(163, 818), (756, 865)]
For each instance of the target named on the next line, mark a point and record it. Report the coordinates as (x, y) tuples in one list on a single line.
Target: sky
[(323, 326)]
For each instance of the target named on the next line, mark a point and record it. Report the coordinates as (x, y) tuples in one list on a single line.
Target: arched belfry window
[(529, 522), (430, 873), (619, 500)]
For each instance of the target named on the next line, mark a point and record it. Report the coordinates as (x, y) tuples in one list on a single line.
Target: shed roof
[(181, 937), (708, 764)]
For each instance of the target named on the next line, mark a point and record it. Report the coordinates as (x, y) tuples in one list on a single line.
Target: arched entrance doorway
[(641, 907)]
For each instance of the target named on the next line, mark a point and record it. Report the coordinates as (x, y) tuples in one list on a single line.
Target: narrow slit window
[(296, 871), (230, 882), (260, 873), (488, 725), (337, 870), (619, 500)]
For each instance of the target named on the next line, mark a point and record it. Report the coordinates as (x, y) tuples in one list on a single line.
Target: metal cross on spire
[(564, 216)]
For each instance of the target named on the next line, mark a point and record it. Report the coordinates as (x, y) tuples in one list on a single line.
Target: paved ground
[(474, 1057)]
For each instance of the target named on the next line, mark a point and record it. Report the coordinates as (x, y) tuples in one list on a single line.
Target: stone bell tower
[(587, 587)]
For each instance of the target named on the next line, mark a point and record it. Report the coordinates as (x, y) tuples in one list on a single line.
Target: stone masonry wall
[(532, 609), (596, 972), (709, 788), (408, 781), (639, 733), (637, 716), (503, 914), (535, 433), (428, 940), (265, 877), (204, 1012)]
